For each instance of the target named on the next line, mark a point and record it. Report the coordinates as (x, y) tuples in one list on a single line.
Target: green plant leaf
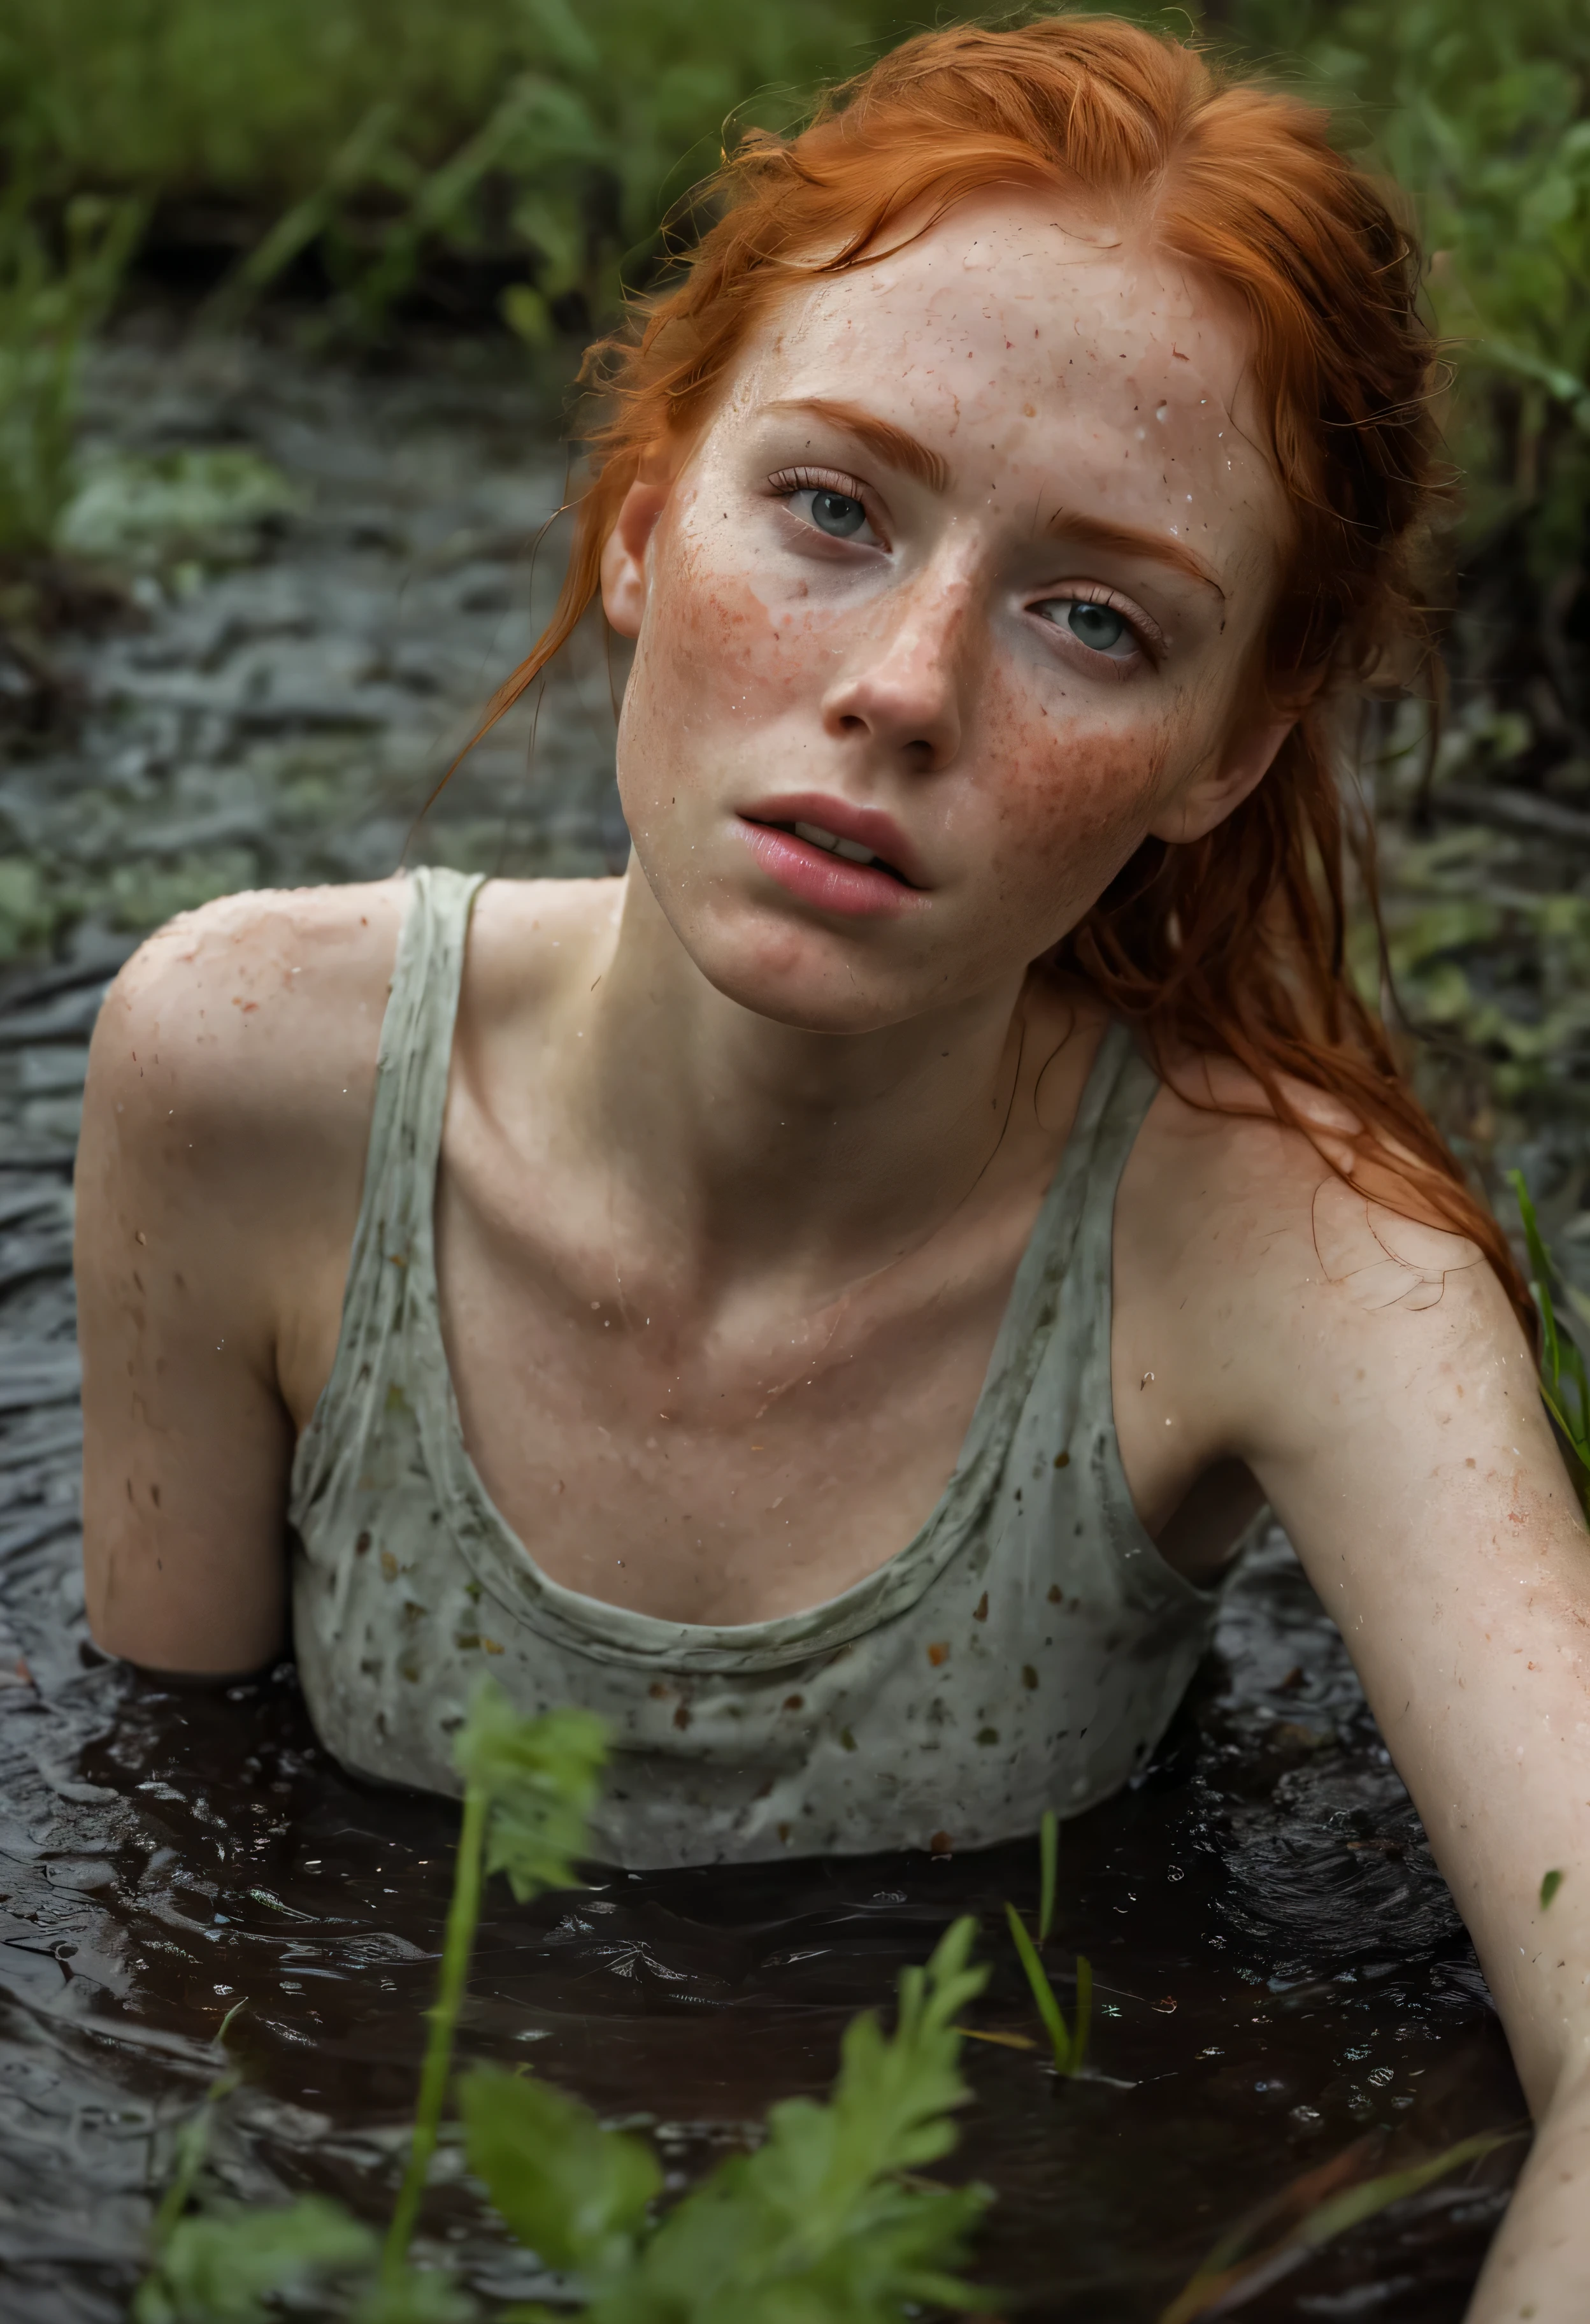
[(818, 2225), (52, 301), (1049, 2008), (416, 2296), (574, 2193), (1561, 1357), (198, 503), (220, 2267), (1543, 1274), (541, 1778), (529, 1784)]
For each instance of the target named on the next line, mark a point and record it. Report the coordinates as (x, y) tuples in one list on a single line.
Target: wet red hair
[(1235, 945)]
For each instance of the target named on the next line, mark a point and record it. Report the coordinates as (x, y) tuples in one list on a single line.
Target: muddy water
[(1280, 1969)]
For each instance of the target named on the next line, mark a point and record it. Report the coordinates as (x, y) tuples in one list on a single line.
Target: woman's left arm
[(1427, 1500), (1371, 1374)]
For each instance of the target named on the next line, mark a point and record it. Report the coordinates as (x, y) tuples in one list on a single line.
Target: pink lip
[(853, 891), (869, 826)]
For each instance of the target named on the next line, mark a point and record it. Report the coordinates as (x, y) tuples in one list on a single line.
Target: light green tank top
[(1025, 1651)]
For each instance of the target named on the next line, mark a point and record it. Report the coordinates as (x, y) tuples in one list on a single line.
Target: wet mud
[(1280, 1969)]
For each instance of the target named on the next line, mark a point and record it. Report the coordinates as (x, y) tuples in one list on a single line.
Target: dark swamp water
[(1280, 1971)]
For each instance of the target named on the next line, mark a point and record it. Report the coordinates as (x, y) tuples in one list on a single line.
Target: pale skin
[(737, 1172)]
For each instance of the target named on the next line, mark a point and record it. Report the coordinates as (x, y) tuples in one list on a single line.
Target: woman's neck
[(763, 1145)]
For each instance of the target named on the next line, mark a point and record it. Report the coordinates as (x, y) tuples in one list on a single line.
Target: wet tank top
[(1025, 1651)]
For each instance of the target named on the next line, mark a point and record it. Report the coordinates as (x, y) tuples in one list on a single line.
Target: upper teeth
[(848, 848)]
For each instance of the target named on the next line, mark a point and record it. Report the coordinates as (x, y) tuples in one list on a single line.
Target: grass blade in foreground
[(529, 1786), (219, 2268), (1069, 2044), (1322, 2207), (1560, 1359)]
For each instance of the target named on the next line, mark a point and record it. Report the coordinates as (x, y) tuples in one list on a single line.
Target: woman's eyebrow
[(1130, 540), (904, 452), (881, 437)]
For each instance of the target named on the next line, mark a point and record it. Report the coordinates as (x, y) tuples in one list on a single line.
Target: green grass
[(396, 136), (1565, 1385), (57, 281), (1068, 2044), (384, 128), (1328, 2201)]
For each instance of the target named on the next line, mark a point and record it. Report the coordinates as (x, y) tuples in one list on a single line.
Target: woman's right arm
[(227, 1107)]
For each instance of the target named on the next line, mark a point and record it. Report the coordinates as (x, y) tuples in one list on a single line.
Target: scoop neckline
[(504, 1565)]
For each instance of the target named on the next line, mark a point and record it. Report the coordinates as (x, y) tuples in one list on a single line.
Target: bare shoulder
[(227, 1108), (1268, 1301), (253, 1006), (1217, 1180), (1267, 1311)]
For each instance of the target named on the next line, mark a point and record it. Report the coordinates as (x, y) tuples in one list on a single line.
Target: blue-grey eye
[(837, 514), (1099, 626)]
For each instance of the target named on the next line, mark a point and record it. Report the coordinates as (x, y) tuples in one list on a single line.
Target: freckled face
[(963, 573)]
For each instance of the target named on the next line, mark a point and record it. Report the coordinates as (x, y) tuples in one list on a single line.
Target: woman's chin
[(814, 999), (808, 979), (816, 974)]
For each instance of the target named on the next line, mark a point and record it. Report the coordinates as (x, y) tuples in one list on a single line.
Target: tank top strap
[(391, 1267), (416, 1055), (1122, 1087), (1059, 1301)]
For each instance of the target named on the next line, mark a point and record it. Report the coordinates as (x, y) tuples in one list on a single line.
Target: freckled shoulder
[(254, 1011), (1260, 1200)]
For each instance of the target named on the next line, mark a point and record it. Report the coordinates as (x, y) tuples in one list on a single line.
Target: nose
[(899, 689)]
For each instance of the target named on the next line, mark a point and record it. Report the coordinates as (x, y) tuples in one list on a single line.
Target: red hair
[(1234, 944)]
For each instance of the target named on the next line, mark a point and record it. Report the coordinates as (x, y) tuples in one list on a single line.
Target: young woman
[(833, 1299)]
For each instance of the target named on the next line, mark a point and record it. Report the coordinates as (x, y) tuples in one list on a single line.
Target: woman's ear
[(1221, 784), (625, 581)]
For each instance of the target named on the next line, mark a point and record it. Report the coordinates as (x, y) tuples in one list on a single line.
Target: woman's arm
[(228, 1100), (1539, 2267), (1371, 1375)]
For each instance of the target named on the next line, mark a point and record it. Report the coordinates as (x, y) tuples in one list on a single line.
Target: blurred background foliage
[(515, 157), (355, 169), (519, 155)]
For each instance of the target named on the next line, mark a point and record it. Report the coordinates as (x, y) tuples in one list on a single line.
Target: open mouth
[(851, 850)]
